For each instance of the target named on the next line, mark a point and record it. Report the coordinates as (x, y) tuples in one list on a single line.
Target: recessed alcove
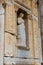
[(25, 18)]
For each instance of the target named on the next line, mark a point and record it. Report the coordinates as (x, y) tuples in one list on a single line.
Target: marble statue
[(21, 30)]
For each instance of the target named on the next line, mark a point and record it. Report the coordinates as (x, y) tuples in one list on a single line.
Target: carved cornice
[(5, 1), (18, 5)]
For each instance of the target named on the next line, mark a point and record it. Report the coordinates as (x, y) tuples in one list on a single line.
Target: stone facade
[(12, 52), (41, 19)]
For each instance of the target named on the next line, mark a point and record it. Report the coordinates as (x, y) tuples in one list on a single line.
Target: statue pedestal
[(22, 47)]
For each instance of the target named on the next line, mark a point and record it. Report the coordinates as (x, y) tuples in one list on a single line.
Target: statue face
[(21, 14)]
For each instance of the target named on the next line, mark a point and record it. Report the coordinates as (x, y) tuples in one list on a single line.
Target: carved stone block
[(34, 8), (11, 20), (37, 38), (10, 42), (1, 34), (30, 36), (26, 3)]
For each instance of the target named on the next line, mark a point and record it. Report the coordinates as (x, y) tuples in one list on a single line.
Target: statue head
[(21, 15)]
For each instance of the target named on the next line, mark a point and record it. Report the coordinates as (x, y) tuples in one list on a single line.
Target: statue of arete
[(21, 30)]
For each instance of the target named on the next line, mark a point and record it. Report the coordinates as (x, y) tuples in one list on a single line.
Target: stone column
[(10, 29), (37, 41), (36, 31), (31, 36), (37, 38), (34, 7), (1, 34), (36, 28)]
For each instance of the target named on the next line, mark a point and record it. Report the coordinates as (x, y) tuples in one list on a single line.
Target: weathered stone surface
[(34, 7), (31, 41), (37, 38), (22, 53), (17, 61), (41, 19), (26, 3), (11, 19), (32, 56), (37, 62), (1, 34), (10, 42)]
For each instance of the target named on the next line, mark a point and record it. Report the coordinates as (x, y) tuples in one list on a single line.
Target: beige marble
[(10, 19), (31, 40), (34, 8), (1, 34), (10, 54), (10, 42), (37, 38)]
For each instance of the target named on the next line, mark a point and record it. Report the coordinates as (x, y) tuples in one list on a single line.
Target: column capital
[(29, 16), (16, 8)]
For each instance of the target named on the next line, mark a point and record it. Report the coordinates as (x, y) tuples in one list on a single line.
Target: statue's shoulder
[(20, 20)]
